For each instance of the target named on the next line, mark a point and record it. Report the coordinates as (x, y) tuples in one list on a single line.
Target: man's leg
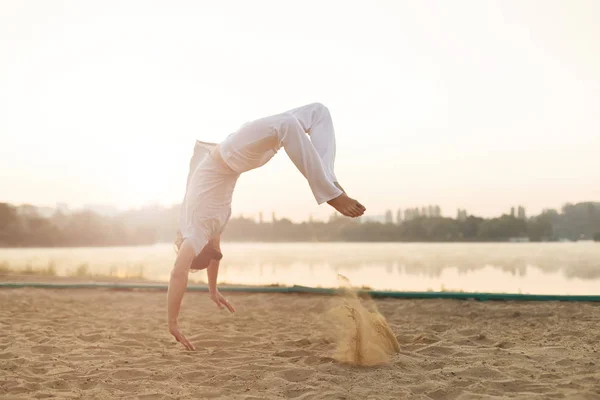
[(316, 120), (302, 152)]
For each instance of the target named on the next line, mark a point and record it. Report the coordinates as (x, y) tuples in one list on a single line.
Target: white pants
[(307, 135), (256, 142)]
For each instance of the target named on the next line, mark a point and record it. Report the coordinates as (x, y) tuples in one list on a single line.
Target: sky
[(480, 105)]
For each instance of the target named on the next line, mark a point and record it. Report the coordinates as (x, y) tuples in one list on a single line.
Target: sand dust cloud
[(361, 335)]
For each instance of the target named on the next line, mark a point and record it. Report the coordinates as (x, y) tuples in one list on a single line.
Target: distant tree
[(578, 221), (23, 226), (469, 228), (542, 227), (10, 226), (502, 228)]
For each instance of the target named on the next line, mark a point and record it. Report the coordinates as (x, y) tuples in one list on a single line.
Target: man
[(307, 136)]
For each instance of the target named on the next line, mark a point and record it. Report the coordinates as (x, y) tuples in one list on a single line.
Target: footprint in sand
[(504, 345), (292, 353), (129, 373), (44, 396), (130, 343), (317, 360), (154, 396), (439, 327), (436, 351), (480, 372), (90, 338), (87, 384), (46, 349), (58, 384), (427, 339), (196, 375), (296, 392), (299, 343), (8, 355), (296, 374), (17, 390)]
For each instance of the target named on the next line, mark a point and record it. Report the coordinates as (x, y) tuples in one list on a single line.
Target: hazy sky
[(472, 104)]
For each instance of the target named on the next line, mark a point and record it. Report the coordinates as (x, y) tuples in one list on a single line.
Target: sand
[(360, 334), (101, 344)]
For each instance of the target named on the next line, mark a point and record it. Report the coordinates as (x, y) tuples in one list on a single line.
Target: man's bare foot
[(347, 206)]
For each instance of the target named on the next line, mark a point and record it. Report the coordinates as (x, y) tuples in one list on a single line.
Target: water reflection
[(558, 268), (575, 260)]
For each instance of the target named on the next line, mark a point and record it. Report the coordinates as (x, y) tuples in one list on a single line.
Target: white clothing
[(206, 208), (256, 142)]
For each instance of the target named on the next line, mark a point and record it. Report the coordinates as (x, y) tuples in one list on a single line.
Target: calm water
[(552, 268)]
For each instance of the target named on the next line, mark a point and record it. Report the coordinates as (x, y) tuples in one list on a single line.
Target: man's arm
[(212, 273), (177, 287)]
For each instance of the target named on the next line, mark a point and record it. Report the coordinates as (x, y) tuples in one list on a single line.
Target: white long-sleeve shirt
[(306, 133)]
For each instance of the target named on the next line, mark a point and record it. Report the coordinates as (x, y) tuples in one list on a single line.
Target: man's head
[(211, 251)]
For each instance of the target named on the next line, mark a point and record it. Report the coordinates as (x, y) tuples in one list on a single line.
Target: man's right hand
[(221, 301), (179, 336)]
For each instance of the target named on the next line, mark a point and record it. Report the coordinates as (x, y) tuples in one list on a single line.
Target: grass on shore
[(81, 271)]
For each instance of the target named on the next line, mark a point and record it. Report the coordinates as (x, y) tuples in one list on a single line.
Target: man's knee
[(320, 110), (289, 122)]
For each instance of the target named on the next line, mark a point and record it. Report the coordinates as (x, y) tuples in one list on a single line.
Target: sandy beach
[(102, 344)]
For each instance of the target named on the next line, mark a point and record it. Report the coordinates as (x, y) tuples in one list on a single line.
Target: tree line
[(23, 226)]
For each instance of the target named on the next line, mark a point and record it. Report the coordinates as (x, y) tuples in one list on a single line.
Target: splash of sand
[(361, 335)]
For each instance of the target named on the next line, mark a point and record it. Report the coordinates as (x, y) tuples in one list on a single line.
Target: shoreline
[(133, 285), (310, 242)]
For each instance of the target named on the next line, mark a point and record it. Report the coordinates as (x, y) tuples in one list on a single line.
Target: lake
[(535, 268)]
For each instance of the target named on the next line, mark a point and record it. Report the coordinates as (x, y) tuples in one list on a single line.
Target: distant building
[(409, 214), (273, 217), (389, 218), (399, 217), (512, 211), (260, 217), (372, 218), (62, 208), (27, 210), (521, 213), (101, 209), (45, 212), (461, 215)]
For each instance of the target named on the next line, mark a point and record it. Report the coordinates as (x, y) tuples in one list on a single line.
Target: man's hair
[(203, 259), (206, 255)]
